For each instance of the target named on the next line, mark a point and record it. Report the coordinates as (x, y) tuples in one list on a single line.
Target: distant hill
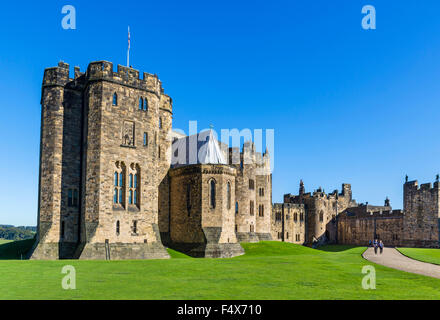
[(9, 232)]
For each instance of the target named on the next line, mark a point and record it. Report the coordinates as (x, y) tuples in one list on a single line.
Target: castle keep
[(112, 184), (116, 182)]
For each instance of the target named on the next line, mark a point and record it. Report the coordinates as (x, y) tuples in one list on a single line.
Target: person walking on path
[(381, 246), (370, 243), (375, 244)]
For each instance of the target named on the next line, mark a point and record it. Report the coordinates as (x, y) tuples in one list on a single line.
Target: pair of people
[(377, 245)]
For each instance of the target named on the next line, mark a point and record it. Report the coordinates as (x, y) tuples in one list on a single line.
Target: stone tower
[(104, 138), (253, 206), (321, 211), (202, 192), (421, 214)]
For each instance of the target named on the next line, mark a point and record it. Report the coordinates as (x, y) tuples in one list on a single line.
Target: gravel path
[(394, 259)]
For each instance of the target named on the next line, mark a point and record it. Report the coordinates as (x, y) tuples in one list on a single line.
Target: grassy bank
[(269, 270)]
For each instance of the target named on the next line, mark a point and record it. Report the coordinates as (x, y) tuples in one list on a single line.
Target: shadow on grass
[(16, 250), (336, 248)]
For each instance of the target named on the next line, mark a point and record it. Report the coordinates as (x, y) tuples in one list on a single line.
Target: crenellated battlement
[(56, 76), (413, 186), (321, 194), (103, 71)]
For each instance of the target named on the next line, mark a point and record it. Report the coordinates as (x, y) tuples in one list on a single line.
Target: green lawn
[(269, 270), (425, 255), (4, 241)]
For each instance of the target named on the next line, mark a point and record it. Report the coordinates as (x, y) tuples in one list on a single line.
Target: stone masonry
[(107, 187)]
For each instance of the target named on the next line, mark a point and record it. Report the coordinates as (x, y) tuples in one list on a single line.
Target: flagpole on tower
[(128, 50)]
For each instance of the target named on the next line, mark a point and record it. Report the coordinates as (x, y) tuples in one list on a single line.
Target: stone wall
[(321, 210), (199, 226), (288, 223), (112, 140), (422, 212), (360, 228)]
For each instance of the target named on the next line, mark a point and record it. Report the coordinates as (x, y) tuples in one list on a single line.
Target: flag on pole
[(128, 51)]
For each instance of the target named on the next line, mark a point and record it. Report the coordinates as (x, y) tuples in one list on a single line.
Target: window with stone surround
[(115, 99), (118, 228), (141, 103), (228, 195), (145, 104), (188, 198), (133, 185), (145, 139), (301, 216), (212, 191), (261, 210), (134, 228), (295, 217), (261, 192), (236, 207), (251, 207), (251, 184), (251, 228), (160, 123), (321, 216), (119, 184)]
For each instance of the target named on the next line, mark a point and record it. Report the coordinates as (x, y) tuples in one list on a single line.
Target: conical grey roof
[(201, 148)]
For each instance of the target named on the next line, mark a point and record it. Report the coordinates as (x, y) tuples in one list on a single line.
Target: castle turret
[(421, 214), (51, 163), (102, 158)]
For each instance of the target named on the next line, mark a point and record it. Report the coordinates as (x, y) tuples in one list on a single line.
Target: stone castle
[(116, 182), (319, 218)]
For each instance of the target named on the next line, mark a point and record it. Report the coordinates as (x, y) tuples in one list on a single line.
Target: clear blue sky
[(347, 105)]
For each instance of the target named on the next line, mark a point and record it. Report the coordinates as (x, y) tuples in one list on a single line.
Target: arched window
[(188, 198), (115, 99), (119, 184), (130, 197), (261, 210), (321, 216), (133, 184), (145, 104), (236, 208), (118, 228), (135, 226), (228, 195), (295, 217), (160, 123), (212, 194), (141, 103), (145, 139)]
